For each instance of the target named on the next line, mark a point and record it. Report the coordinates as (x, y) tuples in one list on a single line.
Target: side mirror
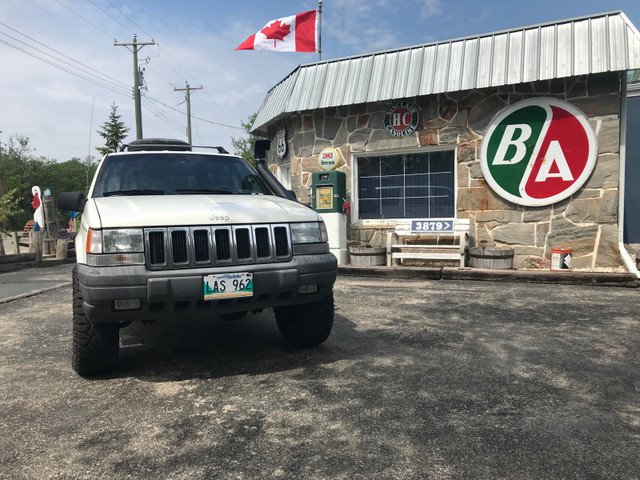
[(72, 201)]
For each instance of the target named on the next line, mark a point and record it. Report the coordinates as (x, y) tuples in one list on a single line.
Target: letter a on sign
[(555, 156), (538, 151)]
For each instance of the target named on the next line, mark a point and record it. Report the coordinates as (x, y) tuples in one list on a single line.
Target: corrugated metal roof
[(591, 44)]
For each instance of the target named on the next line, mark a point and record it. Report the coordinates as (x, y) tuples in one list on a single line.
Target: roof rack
[(156, 144), (220, 149), (159, 144)]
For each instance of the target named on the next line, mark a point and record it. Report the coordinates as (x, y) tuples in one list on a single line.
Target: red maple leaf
[(277, 31)]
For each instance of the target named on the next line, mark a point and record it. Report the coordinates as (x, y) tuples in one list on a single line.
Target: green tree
[(243, 146), (9, 206), (114, 131), (22, 170)]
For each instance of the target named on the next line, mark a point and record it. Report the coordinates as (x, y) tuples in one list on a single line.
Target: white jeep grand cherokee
[(169, 232)]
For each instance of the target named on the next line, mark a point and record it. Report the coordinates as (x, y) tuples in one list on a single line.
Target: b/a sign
[(538, 152)]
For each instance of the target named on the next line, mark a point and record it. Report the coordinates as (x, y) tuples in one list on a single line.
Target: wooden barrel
[(494, 258), (367, 256)]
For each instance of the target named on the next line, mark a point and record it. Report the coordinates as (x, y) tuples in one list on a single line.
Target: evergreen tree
[(113, 131)]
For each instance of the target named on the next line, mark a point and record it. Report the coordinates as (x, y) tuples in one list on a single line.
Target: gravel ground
[(419, 379)]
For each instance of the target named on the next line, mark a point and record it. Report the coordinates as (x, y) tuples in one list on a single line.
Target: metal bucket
[(561, 259)]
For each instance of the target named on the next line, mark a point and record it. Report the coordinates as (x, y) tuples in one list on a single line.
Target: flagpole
[(319, 30)]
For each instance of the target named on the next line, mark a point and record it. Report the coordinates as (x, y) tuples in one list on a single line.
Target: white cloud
[(430, 8), (54, 107)]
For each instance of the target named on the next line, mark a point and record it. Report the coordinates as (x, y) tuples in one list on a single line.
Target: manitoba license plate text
[(228, 285)]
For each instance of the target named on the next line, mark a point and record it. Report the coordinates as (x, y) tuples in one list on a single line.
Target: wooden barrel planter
[(367, 256), (494, 258)]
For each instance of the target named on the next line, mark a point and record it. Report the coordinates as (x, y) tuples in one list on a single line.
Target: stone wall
[(585, 222)]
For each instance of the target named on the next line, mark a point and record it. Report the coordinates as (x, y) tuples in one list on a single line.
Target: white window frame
[(355, 204), (283, 175)]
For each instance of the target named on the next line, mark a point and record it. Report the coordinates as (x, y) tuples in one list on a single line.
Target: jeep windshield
[(176, 173)]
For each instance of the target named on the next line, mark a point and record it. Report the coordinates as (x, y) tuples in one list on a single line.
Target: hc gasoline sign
[(401, 119), (538, 151)]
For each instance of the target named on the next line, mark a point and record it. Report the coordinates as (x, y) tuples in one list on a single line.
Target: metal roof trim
[(479, 35)]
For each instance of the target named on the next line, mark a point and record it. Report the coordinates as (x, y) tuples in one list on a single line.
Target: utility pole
[(137, 74), (188, 97)]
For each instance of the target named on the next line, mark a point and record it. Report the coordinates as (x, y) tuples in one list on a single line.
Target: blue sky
[(60, 111)]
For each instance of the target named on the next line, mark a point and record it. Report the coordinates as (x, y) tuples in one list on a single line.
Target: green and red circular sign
[(401, 119), (538, 151)]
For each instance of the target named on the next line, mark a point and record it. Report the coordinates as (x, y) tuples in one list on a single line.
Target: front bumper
[(179, 293)]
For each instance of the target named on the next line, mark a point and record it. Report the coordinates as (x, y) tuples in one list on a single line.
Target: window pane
[(369, 209), (392, 165), (417, 185)]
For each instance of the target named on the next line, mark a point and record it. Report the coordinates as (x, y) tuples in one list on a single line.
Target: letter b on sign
[(514, 136)]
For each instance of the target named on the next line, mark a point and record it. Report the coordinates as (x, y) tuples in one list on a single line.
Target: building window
[(413, 185)]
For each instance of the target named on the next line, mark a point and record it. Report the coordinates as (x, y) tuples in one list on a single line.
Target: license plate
[(228, 285)]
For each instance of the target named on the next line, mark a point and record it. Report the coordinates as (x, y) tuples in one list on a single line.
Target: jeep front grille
[(191, 247)]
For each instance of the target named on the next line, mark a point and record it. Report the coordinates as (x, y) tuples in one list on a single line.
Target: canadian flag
[(297, 33)]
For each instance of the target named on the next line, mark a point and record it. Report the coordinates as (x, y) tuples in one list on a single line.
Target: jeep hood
[(176, 210)]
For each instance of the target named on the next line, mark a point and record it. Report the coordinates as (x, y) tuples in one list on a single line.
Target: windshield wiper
[(142, 191), (225, 191)]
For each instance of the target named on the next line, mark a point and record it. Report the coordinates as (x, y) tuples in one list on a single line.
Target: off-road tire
[(95, 345), (306, 325)]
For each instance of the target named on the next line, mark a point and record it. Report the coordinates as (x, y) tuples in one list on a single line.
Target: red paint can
[(561, 259)]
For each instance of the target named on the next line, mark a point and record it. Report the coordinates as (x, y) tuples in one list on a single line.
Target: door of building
[(632, 170)]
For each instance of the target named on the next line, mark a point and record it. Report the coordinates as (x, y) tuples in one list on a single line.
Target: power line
[(109, 15), (101, 74), (163, 50), (125, 16), (170, 121), (84, 71), (198, 118), (95, 81), (83, 19)]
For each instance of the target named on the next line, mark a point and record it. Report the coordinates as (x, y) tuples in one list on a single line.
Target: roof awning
[(597, 43)]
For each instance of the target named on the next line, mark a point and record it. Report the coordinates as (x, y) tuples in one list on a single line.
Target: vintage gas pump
[(329, 198)]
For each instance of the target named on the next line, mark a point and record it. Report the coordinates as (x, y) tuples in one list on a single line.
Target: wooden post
[(16, 243), (62, 248), (32, 241), (37, 241), (51, 232)]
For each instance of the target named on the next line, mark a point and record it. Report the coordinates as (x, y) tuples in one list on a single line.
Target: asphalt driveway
[(420, 379)]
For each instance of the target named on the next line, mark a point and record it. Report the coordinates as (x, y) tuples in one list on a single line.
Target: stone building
[(412, 126)]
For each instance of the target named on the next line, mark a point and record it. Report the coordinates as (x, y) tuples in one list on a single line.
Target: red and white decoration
[(297, 33), (38, 216)]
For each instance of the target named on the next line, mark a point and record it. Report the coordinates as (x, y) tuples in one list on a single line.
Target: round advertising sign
[(538, 151), (329, 159), (401, 119)]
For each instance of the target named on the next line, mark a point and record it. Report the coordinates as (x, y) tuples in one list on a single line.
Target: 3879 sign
[(538, 152)]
